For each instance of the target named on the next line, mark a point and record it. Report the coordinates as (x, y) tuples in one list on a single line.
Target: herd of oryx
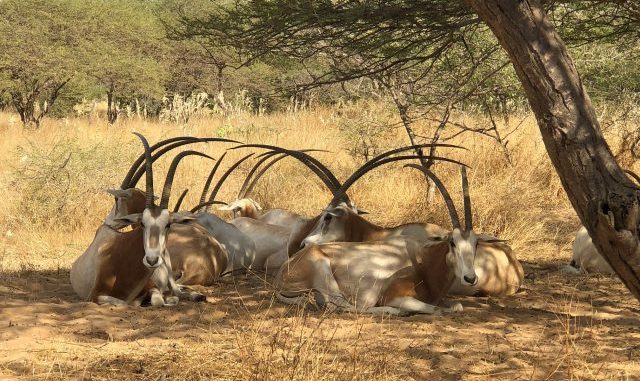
[(146, 253)]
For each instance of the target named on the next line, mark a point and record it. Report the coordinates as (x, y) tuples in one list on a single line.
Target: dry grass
[(561, 327)]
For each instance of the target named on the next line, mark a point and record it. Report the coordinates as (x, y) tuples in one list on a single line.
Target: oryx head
[(462, 242), (242, 207), (156, 219), (341, 219)]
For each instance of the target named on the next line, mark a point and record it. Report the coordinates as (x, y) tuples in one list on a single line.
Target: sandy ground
[(560, 327)]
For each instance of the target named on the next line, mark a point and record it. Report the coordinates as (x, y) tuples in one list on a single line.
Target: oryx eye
[(328, 217)]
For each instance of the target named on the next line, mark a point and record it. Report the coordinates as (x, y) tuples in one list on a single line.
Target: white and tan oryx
[(125, 267), (500, 272), (244, 206), (586, 258), (397, 275)]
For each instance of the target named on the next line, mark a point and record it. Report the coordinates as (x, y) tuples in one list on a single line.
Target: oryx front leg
[(412, 305)]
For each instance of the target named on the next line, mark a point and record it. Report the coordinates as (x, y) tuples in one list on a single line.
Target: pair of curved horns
[(166, 191), (136, 171), (327, 177), (455, 220), (384, 158), (250, 181)]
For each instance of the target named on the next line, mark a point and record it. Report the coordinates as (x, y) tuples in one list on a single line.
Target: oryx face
[(331, 227), (155, 223), (462, 253)]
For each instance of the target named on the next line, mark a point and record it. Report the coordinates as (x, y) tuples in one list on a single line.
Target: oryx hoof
[(198, 297), (171, 301), (157, 300), (456, 307)]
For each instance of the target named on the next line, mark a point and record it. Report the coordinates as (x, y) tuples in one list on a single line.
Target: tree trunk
[(112, 113), (605, 200)]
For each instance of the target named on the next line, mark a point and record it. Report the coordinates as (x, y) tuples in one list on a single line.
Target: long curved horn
[(136, 164), (149, 170), (327, 177), (180, 199), (207, 184), (468, 221), (341, 194), (242, 192), (168, 182), (215, 190), (633, 175), (196, 208), (455, 221), (411, 147), (247, 187), (140, 171)]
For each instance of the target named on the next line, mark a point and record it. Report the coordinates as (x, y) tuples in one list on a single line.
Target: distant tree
[(126, 52), (40, 51)]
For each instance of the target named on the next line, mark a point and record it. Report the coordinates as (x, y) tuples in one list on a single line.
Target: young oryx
[(123, 267), (396, 275)]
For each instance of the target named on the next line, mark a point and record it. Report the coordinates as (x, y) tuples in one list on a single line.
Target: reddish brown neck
[(434, 273), (359, 229)]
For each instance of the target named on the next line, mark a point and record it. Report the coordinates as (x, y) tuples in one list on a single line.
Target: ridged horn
[(207, 184), (136, 164), (215, 190), (168, 182), (180, 199), (341, 194), (139, 172), (148, 170), (243, 189), (455, 221), (633, 175), (247, 187), (196, 208), (468, 219), (327, 177)]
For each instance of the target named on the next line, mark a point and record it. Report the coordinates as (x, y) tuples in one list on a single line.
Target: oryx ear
[(230, 208), (182, 217), (489, 238), (117, 192), (129, 219), (361, 212), (255, 204), (336, 212)]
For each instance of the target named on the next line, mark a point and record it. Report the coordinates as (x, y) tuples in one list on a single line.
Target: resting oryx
[(586, 258), (123, 267), (499, 271), (244, 206), (396, 275)]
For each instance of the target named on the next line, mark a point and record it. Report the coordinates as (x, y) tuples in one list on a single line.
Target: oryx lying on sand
[(586, 258), (499, 271), (124, 267), (396, 275)]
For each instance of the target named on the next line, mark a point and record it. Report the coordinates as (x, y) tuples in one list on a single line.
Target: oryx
[(123, 267), (396, 275)]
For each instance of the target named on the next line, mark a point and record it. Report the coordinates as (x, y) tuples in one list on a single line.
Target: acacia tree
[(39, 51), (605, 200), (410, 32)]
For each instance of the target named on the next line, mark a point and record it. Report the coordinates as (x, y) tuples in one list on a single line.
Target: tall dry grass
[(54, 180)]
